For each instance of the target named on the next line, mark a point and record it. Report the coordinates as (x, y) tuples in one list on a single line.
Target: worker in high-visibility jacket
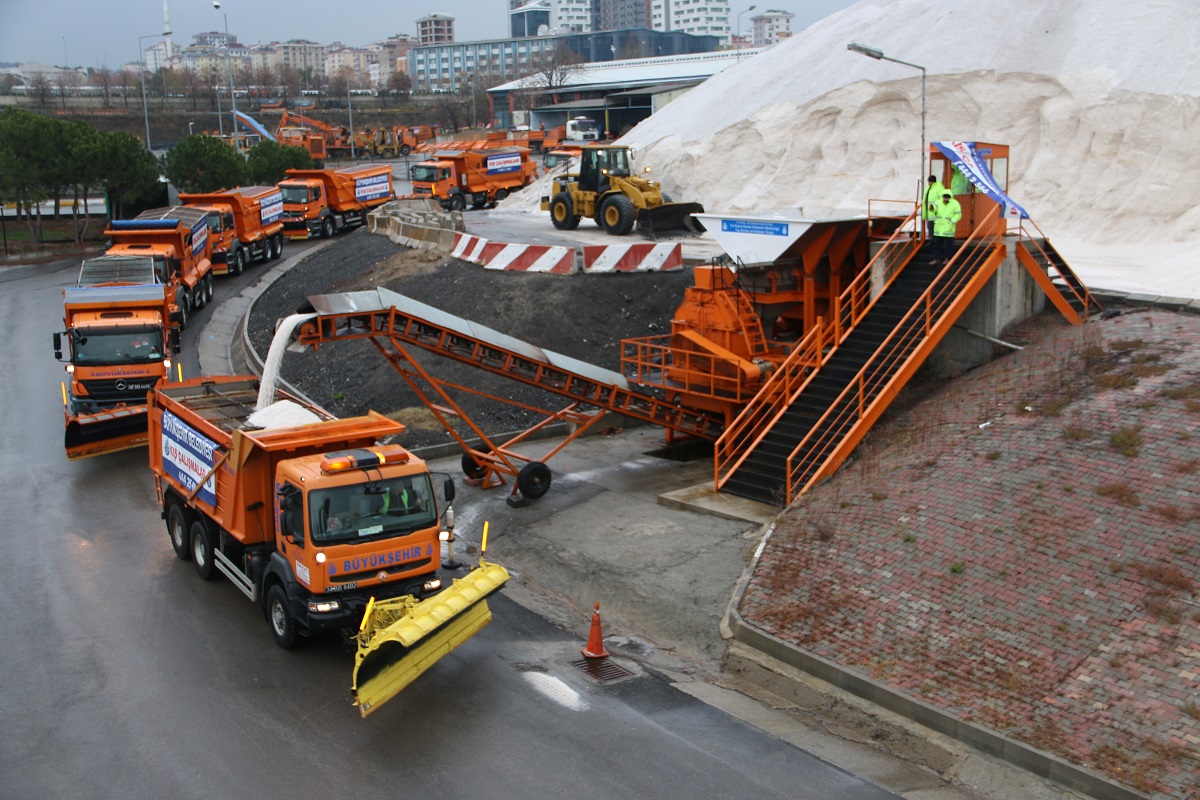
[(933, 196), (945, 222)]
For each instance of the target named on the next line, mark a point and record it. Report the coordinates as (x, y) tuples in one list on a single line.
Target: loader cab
[(597, 163)]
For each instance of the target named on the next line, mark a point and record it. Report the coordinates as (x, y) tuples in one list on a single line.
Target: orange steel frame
[(495, 458), (886, 372)]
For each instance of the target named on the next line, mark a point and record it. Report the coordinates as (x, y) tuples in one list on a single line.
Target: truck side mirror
[(58, 346), (448, 490), (175, 346)]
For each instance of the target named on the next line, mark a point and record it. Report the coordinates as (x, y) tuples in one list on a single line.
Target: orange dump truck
[(315, 522), (478, 177), (246, 225), (321, 202), (118, 341), (176, 239)]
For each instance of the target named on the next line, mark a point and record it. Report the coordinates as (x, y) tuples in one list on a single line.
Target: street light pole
[(229, 64), (739, 30), (877, 54), (142, 71)]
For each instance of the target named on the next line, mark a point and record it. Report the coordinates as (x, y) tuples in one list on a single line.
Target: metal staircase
[(821, 402), (1051, 272)]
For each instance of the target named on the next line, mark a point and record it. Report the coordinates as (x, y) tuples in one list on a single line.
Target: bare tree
[(125, 80), (549, 71), (189, 79), (103, 80), (68, 79), (41, 88), (452, 109), (289, 81)]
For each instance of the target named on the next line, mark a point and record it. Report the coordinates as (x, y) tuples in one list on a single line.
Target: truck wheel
[(208, 288), (177, 529), (562, 212), (533, 480), (457, 202), (617, 214), (283, 624), (479, 200), (327, 227), (276, 246), (500, 195), (202, 551), (237, 260), (405, 150), (184, 302)]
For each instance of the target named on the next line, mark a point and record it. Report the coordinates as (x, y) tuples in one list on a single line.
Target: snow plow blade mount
[(105, 432), (401, 638), (670, 217)]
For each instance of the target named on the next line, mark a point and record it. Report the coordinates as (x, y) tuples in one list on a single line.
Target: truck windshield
[(377, 509), (426, 173), (585, 125), (101, 346), (293, 193)]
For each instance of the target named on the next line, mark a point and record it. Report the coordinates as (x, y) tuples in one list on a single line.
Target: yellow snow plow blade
[(401, 638)]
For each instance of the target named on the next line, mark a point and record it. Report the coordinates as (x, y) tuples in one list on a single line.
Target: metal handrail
[(876, 376), (790, 378)]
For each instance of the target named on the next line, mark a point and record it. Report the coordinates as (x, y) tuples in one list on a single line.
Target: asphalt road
[(126, 676)]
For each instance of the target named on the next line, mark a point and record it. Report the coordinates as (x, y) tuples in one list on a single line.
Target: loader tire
[(202, 551), (562, 212), (533, 480), (177, 530), (405, 150), (283, 624), (617, 214)]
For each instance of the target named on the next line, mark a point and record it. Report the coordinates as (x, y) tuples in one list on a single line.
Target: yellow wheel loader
[(606, 190)]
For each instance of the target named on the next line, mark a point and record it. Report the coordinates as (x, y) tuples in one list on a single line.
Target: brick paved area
[(1022, 549)]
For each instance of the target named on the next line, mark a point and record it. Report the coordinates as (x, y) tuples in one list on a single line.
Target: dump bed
[(255, 208), (201, 436), (350, 188)]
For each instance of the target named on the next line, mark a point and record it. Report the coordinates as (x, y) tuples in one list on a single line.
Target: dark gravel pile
[(581, 316)]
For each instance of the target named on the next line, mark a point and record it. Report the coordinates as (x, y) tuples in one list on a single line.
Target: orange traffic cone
[(595, 645)]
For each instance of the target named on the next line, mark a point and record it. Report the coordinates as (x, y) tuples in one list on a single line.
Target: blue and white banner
[(271, 208), (499, 164), (372, 187), (200, 235), (188, 456), (970, 163)]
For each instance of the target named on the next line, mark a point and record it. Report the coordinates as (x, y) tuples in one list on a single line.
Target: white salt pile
[(1096, 98)]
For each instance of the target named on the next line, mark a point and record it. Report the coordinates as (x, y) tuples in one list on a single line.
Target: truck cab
[(118, 339), (582, 129)]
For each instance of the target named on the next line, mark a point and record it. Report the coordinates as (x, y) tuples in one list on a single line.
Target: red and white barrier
[(517, 257), (632, 258)]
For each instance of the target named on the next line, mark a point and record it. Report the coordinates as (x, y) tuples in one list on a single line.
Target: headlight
[(433, 585), (320, 558), (323, 606)]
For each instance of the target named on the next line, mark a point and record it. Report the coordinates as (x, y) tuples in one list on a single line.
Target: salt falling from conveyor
[(274, 361)]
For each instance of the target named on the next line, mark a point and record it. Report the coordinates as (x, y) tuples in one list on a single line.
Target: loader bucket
[(110, 431), (670, 217), (399, 639)]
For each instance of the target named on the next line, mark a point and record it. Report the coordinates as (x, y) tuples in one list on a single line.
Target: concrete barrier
[(642, 257)]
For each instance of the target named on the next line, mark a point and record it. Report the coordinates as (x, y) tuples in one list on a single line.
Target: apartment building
[(771, 27)]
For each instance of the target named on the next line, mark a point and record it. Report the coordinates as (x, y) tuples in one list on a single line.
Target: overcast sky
[(90, 33)]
